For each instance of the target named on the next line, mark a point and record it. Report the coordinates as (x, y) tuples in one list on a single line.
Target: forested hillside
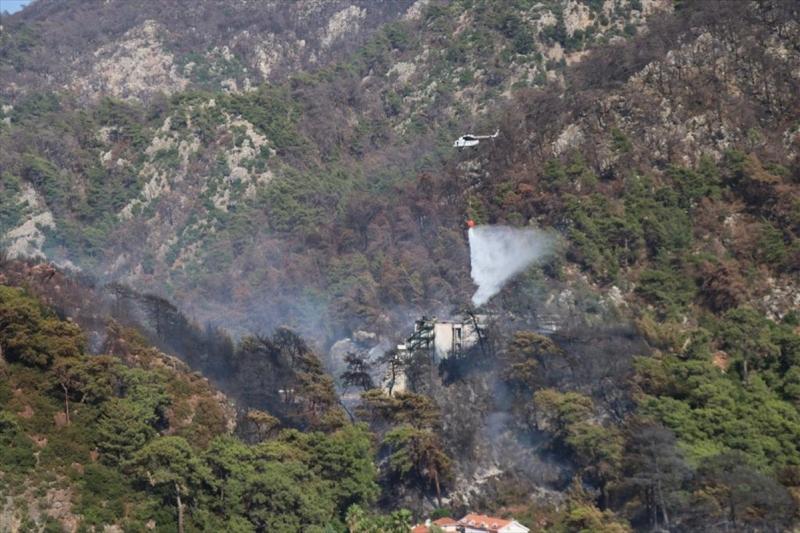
[(224, 199), (133, 437), (269, 194)]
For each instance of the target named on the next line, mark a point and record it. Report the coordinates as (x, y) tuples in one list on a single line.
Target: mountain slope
[(263, 169), (648, 370), (138, 49)]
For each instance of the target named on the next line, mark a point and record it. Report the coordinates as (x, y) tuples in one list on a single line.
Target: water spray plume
[(498, 253)]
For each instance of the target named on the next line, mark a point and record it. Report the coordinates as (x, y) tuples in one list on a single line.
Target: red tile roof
[(419, 528), (481, 521)]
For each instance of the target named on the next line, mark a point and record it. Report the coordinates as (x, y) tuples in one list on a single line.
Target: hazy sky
[(12, 6)]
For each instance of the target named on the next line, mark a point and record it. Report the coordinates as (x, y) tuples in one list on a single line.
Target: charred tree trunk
[(662, 503), (66, 402), (603, 502), (438, 487), (180, 508), (653, 506)]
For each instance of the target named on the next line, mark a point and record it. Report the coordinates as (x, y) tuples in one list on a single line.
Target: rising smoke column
[(498, 253)]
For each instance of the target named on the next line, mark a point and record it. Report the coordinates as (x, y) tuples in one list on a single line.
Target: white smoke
[(498, 253)]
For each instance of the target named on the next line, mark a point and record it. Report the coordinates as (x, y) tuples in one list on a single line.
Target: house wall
[(445, 332), (442, 340), (514, 527)]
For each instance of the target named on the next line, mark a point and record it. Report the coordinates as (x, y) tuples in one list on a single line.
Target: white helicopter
[(469, 140)]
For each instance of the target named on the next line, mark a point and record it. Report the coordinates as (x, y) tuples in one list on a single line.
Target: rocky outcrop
[(27, 239), (137, 66), (137, 49)]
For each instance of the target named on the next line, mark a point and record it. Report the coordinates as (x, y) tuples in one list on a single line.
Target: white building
[(445, 338), (440, 339)]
